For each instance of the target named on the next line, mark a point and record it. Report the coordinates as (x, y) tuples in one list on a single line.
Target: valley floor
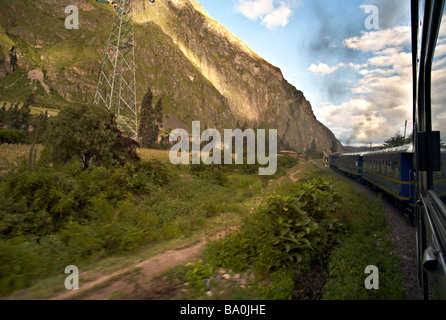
[(158, 271)]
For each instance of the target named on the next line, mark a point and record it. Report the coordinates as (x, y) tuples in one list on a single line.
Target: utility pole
[(405, 127), (117, 80)]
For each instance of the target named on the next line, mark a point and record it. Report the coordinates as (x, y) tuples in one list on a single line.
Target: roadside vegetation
[(309, 240), (79, 201), (79, 192)]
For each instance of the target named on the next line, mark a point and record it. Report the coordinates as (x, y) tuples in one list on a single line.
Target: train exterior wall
[(334, 161), (391, 172), (351, 164)]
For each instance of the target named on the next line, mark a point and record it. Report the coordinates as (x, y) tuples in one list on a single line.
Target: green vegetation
[(81, 199), (89, 195), (397, 140), (12, 136), (364, 243), (89, 134), (55, 215), (150, 119), (288, 229), (74, 190), (315, 224)]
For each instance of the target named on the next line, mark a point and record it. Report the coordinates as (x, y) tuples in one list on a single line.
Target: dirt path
[(38, 75), (292, 174), (137, 282), (132, 285)]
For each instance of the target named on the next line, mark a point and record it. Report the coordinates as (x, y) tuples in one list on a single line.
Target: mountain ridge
[(200, 69)]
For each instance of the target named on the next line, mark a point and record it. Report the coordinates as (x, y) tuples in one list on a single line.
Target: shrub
[(37, 201), (198, 271), (12, 136), (89, 134), (282, 233), (317, 197), (158, 171)]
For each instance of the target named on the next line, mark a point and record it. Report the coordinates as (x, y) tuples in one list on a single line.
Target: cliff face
[(200, 69)]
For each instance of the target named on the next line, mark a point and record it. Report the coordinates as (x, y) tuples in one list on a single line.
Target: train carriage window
[(438, 96), (396, 169)]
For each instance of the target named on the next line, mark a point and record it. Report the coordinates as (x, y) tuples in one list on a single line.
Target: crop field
[(12, 155)]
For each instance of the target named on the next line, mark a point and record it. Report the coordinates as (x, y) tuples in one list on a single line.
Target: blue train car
[(333, 160), (391, 170), (351, 164)]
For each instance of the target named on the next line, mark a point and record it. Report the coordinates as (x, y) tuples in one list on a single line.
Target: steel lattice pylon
[(117, 79)]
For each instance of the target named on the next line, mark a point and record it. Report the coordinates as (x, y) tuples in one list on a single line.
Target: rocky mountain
[(197, 66)]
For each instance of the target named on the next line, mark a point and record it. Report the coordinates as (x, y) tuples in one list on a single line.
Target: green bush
[(317, 197), (158, 171), (12, 136), (36, 202), (198, 271), (19, 265), (290, 231), (283, 232), (285, 161)]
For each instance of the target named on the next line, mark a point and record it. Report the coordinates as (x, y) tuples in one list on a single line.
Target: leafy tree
[(88, 134), (15, 117), (12, 136), (124, 148), (150, 119), (397, 140)]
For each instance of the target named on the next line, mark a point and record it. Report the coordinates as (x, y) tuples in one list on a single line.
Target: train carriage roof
[(407, 148)]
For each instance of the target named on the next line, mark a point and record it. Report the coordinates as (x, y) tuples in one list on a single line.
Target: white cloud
[(322, 69), (382, 96), (278, 17), (397, 37), (271, 13), (255, 9)]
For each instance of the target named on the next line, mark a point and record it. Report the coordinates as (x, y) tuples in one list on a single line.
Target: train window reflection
[(439, 105)]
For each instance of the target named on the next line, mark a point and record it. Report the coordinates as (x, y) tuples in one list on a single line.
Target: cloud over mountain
[(271, 13)]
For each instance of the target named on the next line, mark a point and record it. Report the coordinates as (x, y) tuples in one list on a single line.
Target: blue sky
[(357, 79)]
